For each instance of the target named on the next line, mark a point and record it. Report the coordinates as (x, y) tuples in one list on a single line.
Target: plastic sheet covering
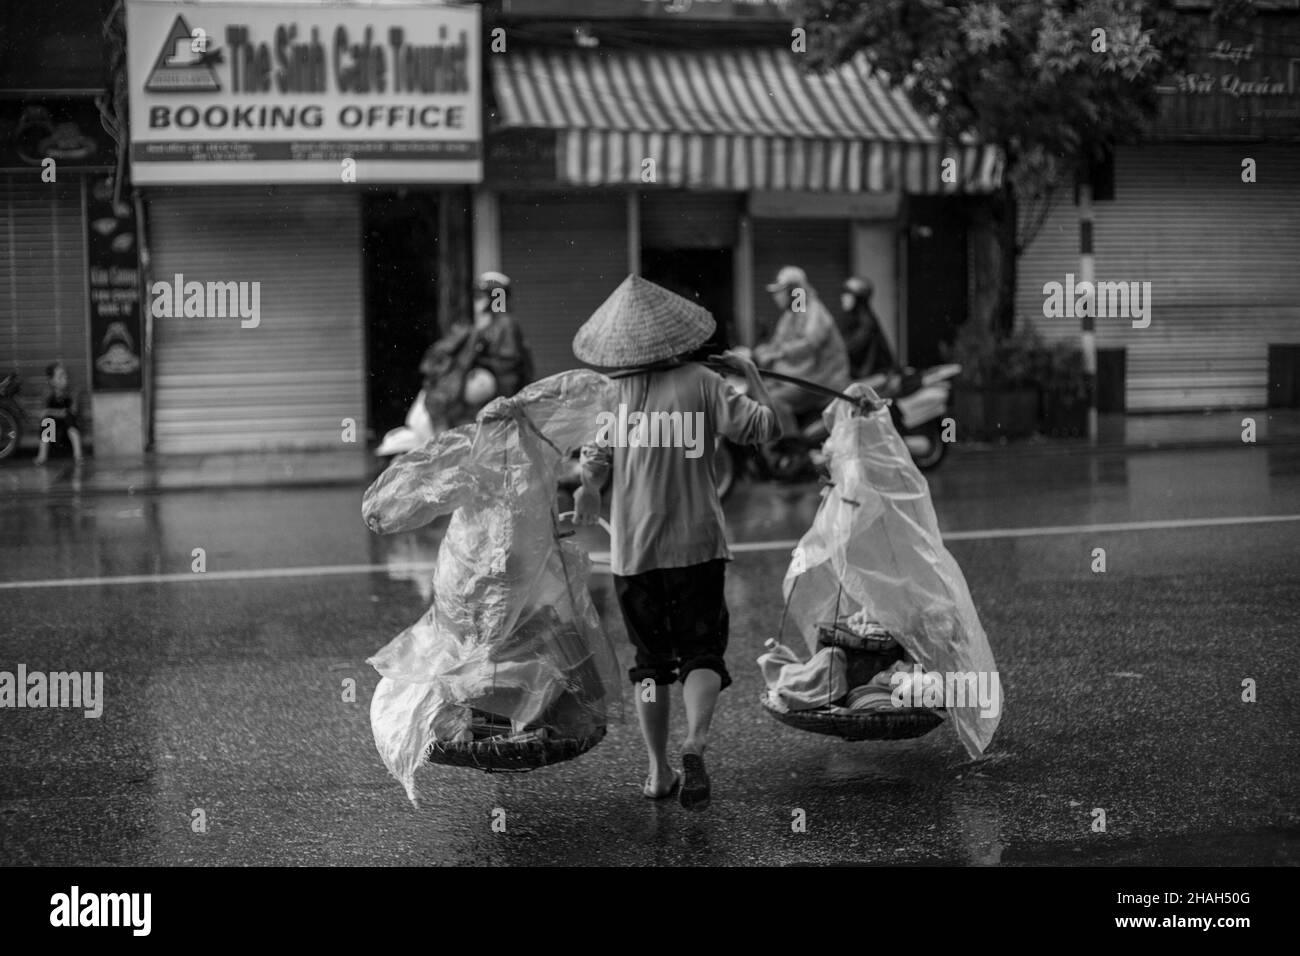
[(512, 634), (876, 534)]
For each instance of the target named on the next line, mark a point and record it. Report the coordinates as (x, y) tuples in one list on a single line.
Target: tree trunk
[(992, 307)]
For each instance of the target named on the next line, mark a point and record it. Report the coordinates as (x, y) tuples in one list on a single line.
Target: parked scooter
[(417, 430), (12, 417), (919, 401), (480, 388)]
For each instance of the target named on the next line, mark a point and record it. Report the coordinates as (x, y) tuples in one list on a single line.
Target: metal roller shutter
[(289, 382), (564, 254), (818, 246), (1221, 256), (43, 291)]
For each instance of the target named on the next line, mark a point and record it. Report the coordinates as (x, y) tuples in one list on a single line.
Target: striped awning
[(730, 119)]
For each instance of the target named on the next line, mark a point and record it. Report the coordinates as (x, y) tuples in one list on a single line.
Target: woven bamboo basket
[(865, 656), (502, 755), (900, 724)]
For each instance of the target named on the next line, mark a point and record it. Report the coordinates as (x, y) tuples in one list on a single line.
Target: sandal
[(651, 795), (695, 792)]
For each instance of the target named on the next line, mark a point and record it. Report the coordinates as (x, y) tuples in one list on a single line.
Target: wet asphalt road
[(1123, 689)]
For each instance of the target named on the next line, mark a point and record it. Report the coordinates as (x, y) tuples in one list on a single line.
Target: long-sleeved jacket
[(664, 510), (807, 344)]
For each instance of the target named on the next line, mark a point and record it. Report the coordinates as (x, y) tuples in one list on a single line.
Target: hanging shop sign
[(807, 205), (66, 131), (1243, 82), (519, 158), (114, 289), (289, 93)]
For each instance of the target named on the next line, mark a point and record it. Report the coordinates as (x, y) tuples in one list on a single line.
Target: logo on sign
[(180, 67)]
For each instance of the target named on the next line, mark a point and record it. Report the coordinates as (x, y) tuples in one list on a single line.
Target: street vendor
[(668, 548), (805, 343)]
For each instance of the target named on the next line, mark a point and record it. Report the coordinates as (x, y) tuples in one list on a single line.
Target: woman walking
[(668, 548)]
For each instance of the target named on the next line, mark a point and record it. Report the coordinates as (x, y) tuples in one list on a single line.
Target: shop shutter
[(564, 254), (289, 382), (1221, 256), (818, 246), (43, 290)]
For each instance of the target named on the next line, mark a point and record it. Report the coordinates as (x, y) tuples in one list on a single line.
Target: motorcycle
[(12, 416), (479, 389), (417, 430), (918, 402)]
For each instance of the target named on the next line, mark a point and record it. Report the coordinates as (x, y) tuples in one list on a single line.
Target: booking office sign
[(300, 93)]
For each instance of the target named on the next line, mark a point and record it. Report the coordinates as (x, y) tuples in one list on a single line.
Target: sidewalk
[(155, 473), (1160, 432), (357, 467)]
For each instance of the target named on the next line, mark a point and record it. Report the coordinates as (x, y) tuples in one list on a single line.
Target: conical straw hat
[(641, 323)]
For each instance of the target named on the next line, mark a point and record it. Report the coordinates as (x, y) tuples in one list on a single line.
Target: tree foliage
[(1055, 84)]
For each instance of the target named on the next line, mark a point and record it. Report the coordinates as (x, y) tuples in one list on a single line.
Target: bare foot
[(654, 788)]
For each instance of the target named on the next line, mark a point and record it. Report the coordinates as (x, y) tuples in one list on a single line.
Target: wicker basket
[(869, 725), (502, 755)]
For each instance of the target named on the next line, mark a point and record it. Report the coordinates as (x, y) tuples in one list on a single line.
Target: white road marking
[(600, 559), (788, 544), (242, 574)]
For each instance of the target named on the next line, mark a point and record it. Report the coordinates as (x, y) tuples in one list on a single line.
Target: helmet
[(789, 277), (858, 288), (480, 386), (492, 280)]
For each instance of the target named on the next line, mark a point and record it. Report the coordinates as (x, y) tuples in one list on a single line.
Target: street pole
[(1088, 320)]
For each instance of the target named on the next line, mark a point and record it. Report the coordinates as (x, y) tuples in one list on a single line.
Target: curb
[(1079, 447), (63, 489), (969, 450)]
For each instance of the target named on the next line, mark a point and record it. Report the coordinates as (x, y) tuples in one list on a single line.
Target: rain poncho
[(876, 535), (512, 631)]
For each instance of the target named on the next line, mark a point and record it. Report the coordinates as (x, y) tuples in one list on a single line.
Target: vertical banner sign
[(297, 93), (114, 290)]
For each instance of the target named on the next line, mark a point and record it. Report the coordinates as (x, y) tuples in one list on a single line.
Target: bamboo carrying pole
[(861, 402)]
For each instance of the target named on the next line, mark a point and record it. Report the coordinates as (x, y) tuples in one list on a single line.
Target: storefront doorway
[(704, 277), (401, 298), (936, 276)]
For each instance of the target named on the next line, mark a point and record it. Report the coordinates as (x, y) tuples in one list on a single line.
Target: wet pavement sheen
[(1123, 689)]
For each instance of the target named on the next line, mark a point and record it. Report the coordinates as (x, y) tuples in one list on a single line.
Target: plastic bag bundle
[(512, 635), (876, 537)]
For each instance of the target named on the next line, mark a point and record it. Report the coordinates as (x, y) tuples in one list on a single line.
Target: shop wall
[(1221, 256), (291, 380), (43, 290), (565, 253)]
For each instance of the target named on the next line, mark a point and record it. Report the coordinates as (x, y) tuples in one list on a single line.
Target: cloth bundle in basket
[(874, 551), (512, 633)]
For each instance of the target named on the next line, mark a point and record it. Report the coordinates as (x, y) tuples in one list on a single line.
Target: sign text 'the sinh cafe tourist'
[(288, 93)]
